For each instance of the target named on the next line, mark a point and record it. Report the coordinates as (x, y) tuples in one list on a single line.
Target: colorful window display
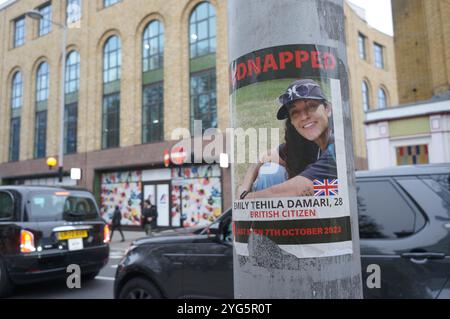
[(412, 155), (123, 189), (196, 195)]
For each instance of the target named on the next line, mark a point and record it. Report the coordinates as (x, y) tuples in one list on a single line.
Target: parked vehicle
[(43, 230), (404, 224), (404, 220)]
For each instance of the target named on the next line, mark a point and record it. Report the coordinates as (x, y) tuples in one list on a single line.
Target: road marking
[(115, 257), (114, 266), (105, 278), (117, 252)]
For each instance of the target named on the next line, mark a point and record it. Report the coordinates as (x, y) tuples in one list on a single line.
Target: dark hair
[(147, 202), (298, 152)]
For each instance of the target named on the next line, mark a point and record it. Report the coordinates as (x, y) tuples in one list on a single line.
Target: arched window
[(153, 46), (17, 91), (40, 125), (72, 72), (42, 83), (72, 85), (152, 83), (202, 30), (112, 58), (16, 104), (382, 99), (202, 39), (365, 96)]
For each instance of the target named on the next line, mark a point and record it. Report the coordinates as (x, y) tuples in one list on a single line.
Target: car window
[(443, 180), (214, 227), (428, 194), (440, 184), (50, 206), (228, 236), (6, 206), (383, 212)]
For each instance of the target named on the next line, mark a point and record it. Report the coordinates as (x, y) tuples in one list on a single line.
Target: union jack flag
[(328, 187)]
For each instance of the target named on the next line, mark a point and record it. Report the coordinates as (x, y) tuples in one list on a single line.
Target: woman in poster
[(309, 152)]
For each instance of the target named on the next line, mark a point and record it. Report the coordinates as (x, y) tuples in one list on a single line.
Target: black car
[(404, 220), (43, 230), (404, 225), (179, 265)]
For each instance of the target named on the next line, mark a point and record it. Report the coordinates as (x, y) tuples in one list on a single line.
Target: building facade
[(372, 76), (422, 44), (136, 70), (417, 131), (410, 134)]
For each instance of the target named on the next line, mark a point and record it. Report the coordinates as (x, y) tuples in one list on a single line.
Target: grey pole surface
[(269, 272)]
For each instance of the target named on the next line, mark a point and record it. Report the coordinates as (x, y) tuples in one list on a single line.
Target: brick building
[(372, 76), (135, 71), (422, 44)]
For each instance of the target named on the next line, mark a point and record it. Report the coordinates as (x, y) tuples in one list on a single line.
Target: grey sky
[(378, 13)]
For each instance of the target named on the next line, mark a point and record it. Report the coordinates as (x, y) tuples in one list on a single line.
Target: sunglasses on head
[(298, 91)]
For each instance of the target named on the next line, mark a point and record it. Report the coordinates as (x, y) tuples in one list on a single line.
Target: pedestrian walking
[(116, 223)]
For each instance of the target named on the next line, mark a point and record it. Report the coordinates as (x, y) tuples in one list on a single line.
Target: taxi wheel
[(139, 288), (6, 286)]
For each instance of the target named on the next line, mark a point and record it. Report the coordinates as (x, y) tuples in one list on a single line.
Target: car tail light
[(27, 242), (106, 235)]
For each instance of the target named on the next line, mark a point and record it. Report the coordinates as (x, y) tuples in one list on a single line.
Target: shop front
[(185, 196)]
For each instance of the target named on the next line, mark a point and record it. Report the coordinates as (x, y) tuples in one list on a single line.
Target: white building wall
[(152, 175), (381, 148), (378, 149)]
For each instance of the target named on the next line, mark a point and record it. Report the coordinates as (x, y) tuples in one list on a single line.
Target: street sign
[(75, 174), (178, 155)]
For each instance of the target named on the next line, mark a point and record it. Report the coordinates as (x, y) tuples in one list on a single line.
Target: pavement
[(116, 244)]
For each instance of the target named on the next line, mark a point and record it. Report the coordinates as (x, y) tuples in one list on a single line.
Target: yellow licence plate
[(72, 234)]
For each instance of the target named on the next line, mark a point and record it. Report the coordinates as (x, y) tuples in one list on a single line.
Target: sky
[(378, 13)]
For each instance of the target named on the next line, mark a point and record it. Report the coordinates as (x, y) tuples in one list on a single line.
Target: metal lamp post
[(36, 15)]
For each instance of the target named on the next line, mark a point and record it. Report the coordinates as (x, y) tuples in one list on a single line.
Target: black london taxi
[(43, 230)]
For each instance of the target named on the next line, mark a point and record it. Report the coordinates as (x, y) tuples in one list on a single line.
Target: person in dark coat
[(116, 223), (149, 217)]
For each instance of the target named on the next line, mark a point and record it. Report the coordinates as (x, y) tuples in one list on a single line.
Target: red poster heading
[(292, 61)]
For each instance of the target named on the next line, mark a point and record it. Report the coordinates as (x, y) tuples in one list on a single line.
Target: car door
[(397, 237), (208, 266)]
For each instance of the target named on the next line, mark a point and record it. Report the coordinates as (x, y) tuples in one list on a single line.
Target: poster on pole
[(290, 182)]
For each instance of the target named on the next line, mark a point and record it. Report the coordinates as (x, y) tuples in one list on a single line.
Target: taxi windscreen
[(54, 206)]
